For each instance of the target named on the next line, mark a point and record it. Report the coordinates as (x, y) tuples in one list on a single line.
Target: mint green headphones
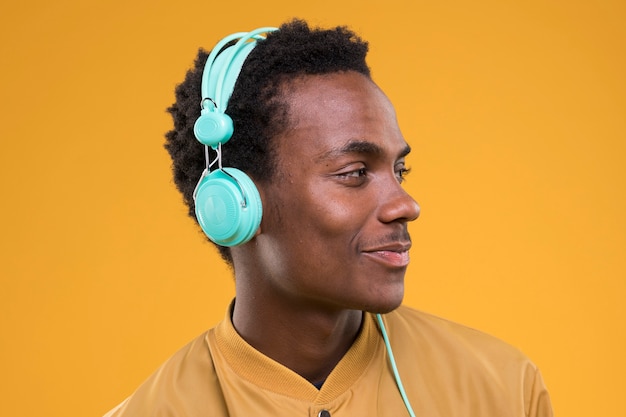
[(227, 203)]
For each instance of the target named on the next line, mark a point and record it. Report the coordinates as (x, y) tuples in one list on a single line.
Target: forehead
[(329, 113)]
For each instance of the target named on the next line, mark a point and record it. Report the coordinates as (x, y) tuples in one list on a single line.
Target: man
[(316, 328)]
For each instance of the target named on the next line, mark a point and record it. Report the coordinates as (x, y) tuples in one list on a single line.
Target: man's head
[(258, 106)]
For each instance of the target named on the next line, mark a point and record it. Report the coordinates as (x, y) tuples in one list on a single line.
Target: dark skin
[(333, 241)]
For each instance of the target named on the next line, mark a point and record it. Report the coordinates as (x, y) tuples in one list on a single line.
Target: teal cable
[(394, 368)]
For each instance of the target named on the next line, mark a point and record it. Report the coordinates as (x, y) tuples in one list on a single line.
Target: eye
[(353, 178), (402, 172), (361, 172)]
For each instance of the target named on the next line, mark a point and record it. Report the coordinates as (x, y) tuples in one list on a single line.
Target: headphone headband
[(224, 65)]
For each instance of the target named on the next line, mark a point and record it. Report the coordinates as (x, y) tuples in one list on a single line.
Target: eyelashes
[(402, 173)]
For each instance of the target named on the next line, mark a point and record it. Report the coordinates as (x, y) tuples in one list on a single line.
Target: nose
[(397, 205)]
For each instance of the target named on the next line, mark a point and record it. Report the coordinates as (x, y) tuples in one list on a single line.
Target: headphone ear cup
[(211, 129), (228, 207)]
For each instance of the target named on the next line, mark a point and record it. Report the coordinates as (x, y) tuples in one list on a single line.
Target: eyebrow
[(359, 147)]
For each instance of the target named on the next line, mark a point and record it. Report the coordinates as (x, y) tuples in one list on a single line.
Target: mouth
[(394, 256)]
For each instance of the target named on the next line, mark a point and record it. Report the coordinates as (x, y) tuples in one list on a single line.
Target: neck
[(309, 341)]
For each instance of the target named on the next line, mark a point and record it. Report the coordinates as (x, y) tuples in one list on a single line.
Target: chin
[(384, 305), (383, 310)]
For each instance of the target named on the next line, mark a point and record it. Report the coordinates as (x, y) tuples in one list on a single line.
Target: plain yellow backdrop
[(516, 111)]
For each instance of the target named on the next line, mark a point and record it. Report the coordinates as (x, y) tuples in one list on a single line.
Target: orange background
[(516, 111)]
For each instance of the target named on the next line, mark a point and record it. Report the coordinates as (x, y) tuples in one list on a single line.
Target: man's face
[(334, 230)]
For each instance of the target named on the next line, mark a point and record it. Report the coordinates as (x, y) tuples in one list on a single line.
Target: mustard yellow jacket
[(447, 370)]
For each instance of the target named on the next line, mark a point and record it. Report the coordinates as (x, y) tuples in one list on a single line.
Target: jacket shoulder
[(420, 327), (447, 354), (186, 385)]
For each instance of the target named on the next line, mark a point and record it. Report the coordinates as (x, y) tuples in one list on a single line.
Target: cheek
[(330, 215), (314, 216)]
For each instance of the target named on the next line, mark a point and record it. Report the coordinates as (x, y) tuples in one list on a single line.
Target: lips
[(395, 256)]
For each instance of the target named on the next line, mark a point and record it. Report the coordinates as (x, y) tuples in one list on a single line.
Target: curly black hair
[(258, 110)]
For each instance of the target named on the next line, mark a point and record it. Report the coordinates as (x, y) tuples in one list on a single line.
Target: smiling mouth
[(390, 258)]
